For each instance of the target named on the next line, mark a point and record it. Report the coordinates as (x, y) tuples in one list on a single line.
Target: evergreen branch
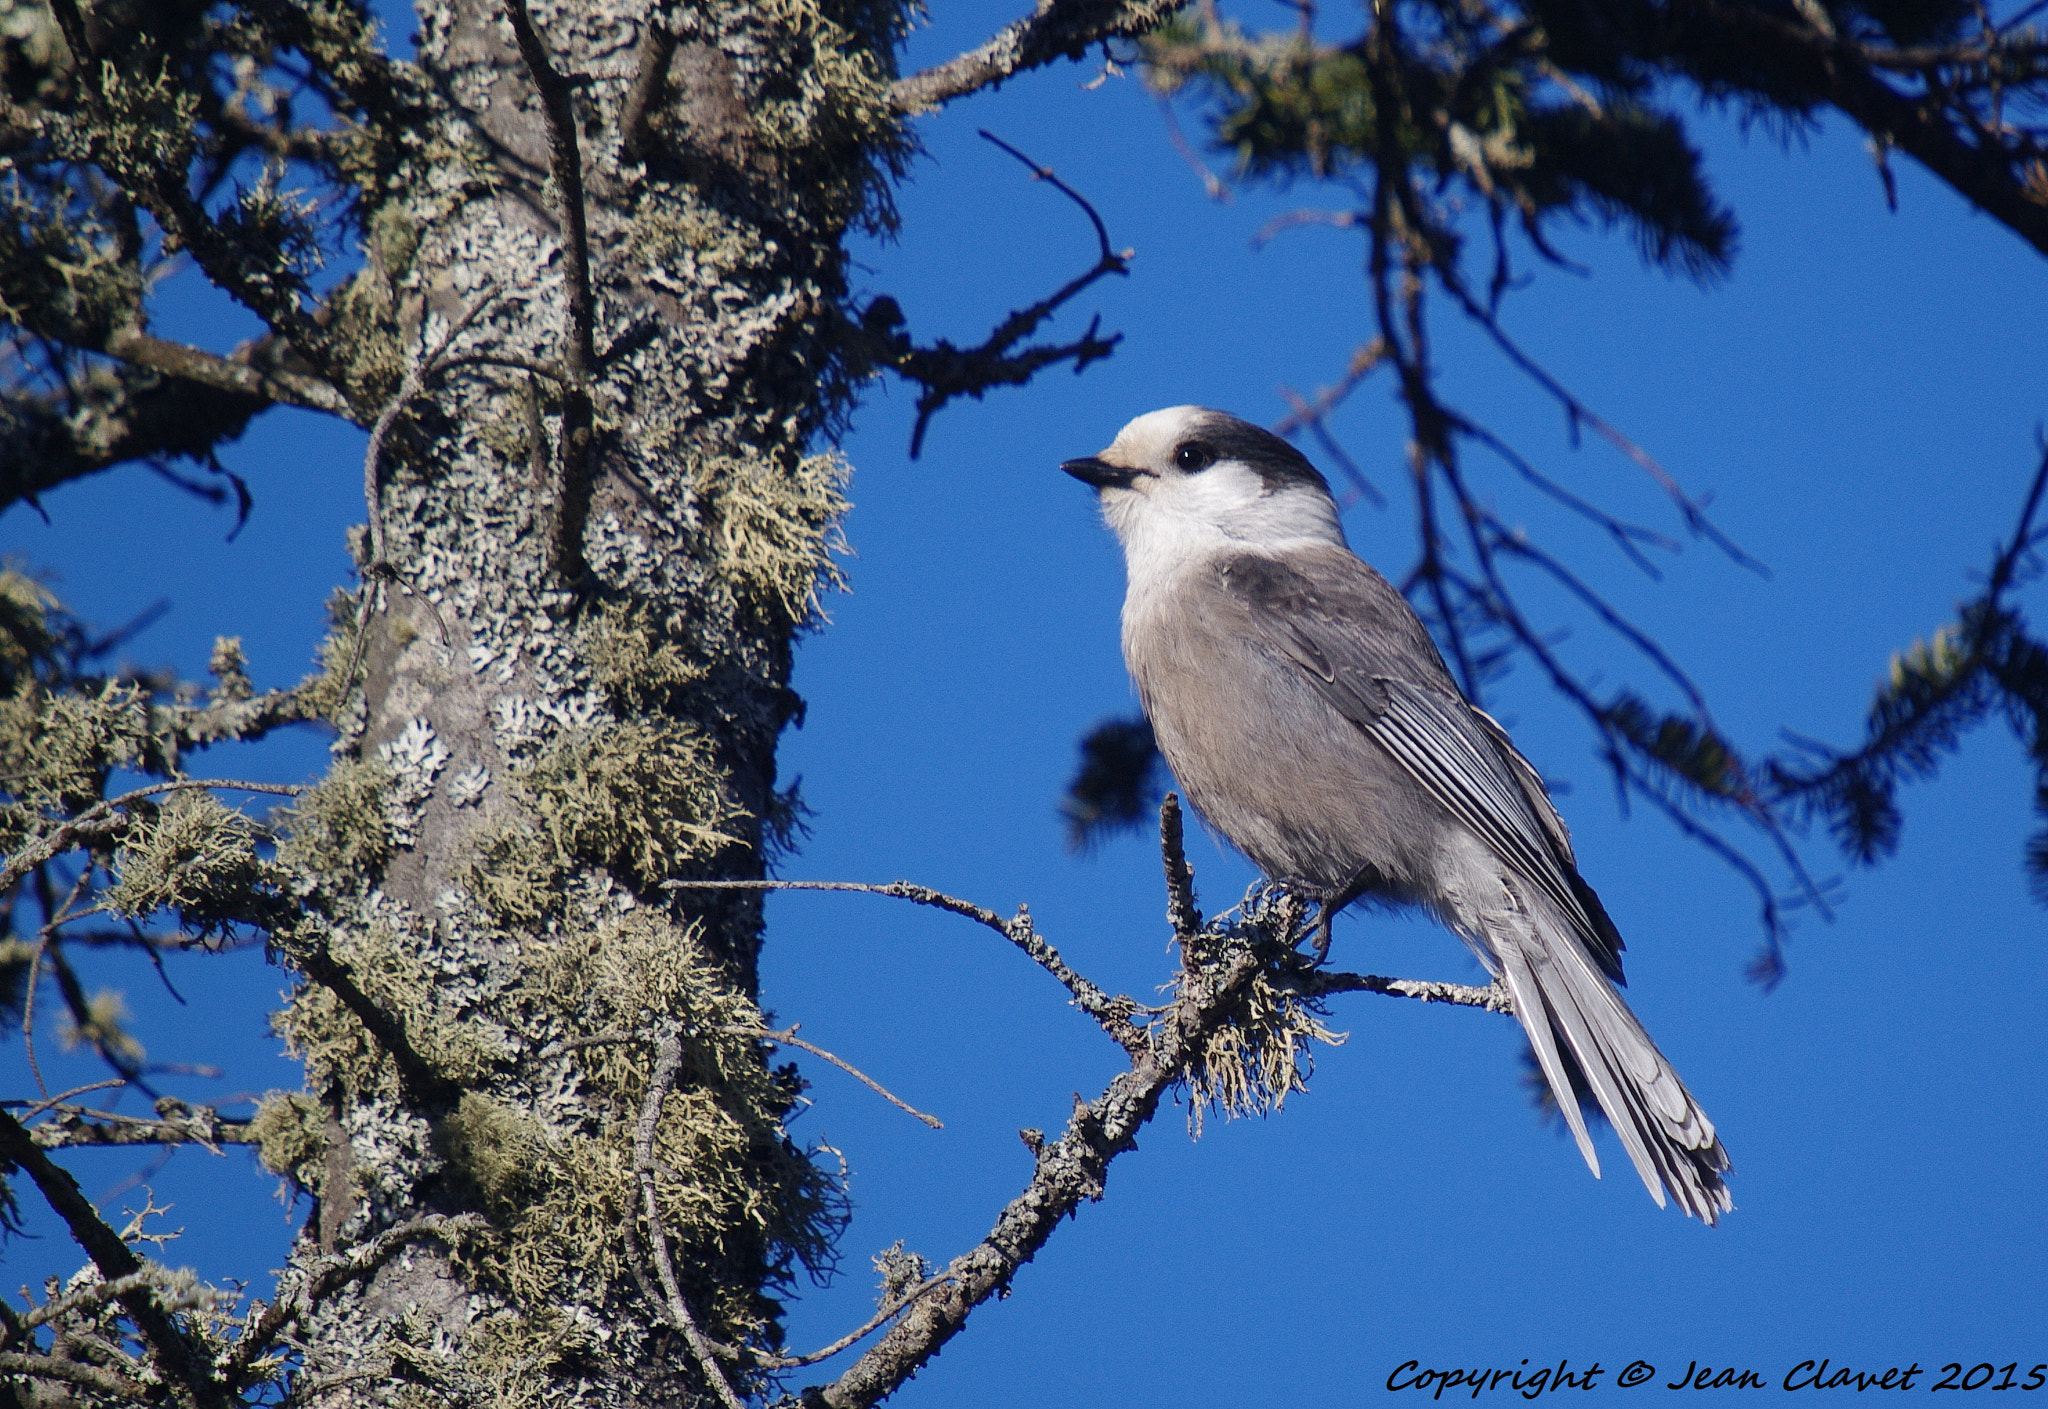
[(182, 1362), (1056, 29), (264, 285), (1845, 74)]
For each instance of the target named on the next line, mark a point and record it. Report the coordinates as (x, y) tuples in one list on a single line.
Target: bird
[(1309, 718)]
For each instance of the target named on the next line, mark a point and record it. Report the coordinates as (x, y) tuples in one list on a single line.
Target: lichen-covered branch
[(1056, 29), (181, 1362), (74, 1127), (1233, 1036)]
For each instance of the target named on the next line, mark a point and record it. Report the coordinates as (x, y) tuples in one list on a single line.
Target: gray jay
[(1309, 717)]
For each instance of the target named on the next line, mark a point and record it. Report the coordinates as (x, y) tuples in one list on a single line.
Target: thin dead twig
[(946, 372), (1112, 1013), (788, 1038), (668, 1063)]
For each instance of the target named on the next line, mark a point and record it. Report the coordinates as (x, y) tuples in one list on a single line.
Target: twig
[(1578, 413), (1301, 413), (788, 1038), (1212, 184), (1181, 910), (1066, 1172), (28, 1013), (1113, 1014), (860, 1332), (1294, 219), (1493, 998), (946, 372), (667, 1064), (31, 1110), (415, 380)]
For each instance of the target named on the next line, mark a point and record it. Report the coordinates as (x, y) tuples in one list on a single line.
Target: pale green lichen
[(1263, 1049), (290, 1129), (774, 529), (198, 858), (321, 1030), (642, 798), (342, 828)]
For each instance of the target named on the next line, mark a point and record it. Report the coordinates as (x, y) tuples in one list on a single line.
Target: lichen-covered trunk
[(572, 692)]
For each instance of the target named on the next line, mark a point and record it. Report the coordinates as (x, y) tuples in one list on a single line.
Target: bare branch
[(193, 364), (860, 1332), (1056, 29), (1493, 998), (788, 1038), (946, 372), (1111, 1014), (667, 1065), (1067, 1171)]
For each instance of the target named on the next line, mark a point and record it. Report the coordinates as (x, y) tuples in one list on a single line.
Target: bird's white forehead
[(1151, 437)]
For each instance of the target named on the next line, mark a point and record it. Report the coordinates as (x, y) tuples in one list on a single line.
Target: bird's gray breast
[(1255, 744)]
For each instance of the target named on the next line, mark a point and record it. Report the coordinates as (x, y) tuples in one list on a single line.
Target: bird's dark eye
[(1194, 456)]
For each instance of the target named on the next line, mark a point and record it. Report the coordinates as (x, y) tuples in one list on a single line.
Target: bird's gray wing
[(1363, 649)]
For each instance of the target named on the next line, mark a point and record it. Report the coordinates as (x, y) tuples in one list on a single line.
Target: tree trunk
[(573, 690)]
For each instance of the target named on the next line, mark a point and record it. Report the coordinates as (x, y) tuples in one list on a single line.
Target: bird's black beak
[(1099, 473)]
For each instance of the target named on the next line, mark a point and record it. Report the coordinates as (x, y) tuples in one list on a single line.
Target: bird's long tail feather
[(1560, 995)]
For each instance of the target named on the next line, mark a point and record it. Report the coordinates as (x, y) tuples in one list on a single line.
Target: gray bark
[(715, 268)]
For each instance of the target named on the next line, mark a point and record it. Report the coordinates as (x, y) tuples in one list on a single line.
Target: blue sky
[(1860, 398)]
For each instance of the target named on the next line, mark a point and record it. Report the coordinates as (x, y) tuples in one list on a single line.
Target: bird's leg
[(1332, 902), (1329, 902)]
